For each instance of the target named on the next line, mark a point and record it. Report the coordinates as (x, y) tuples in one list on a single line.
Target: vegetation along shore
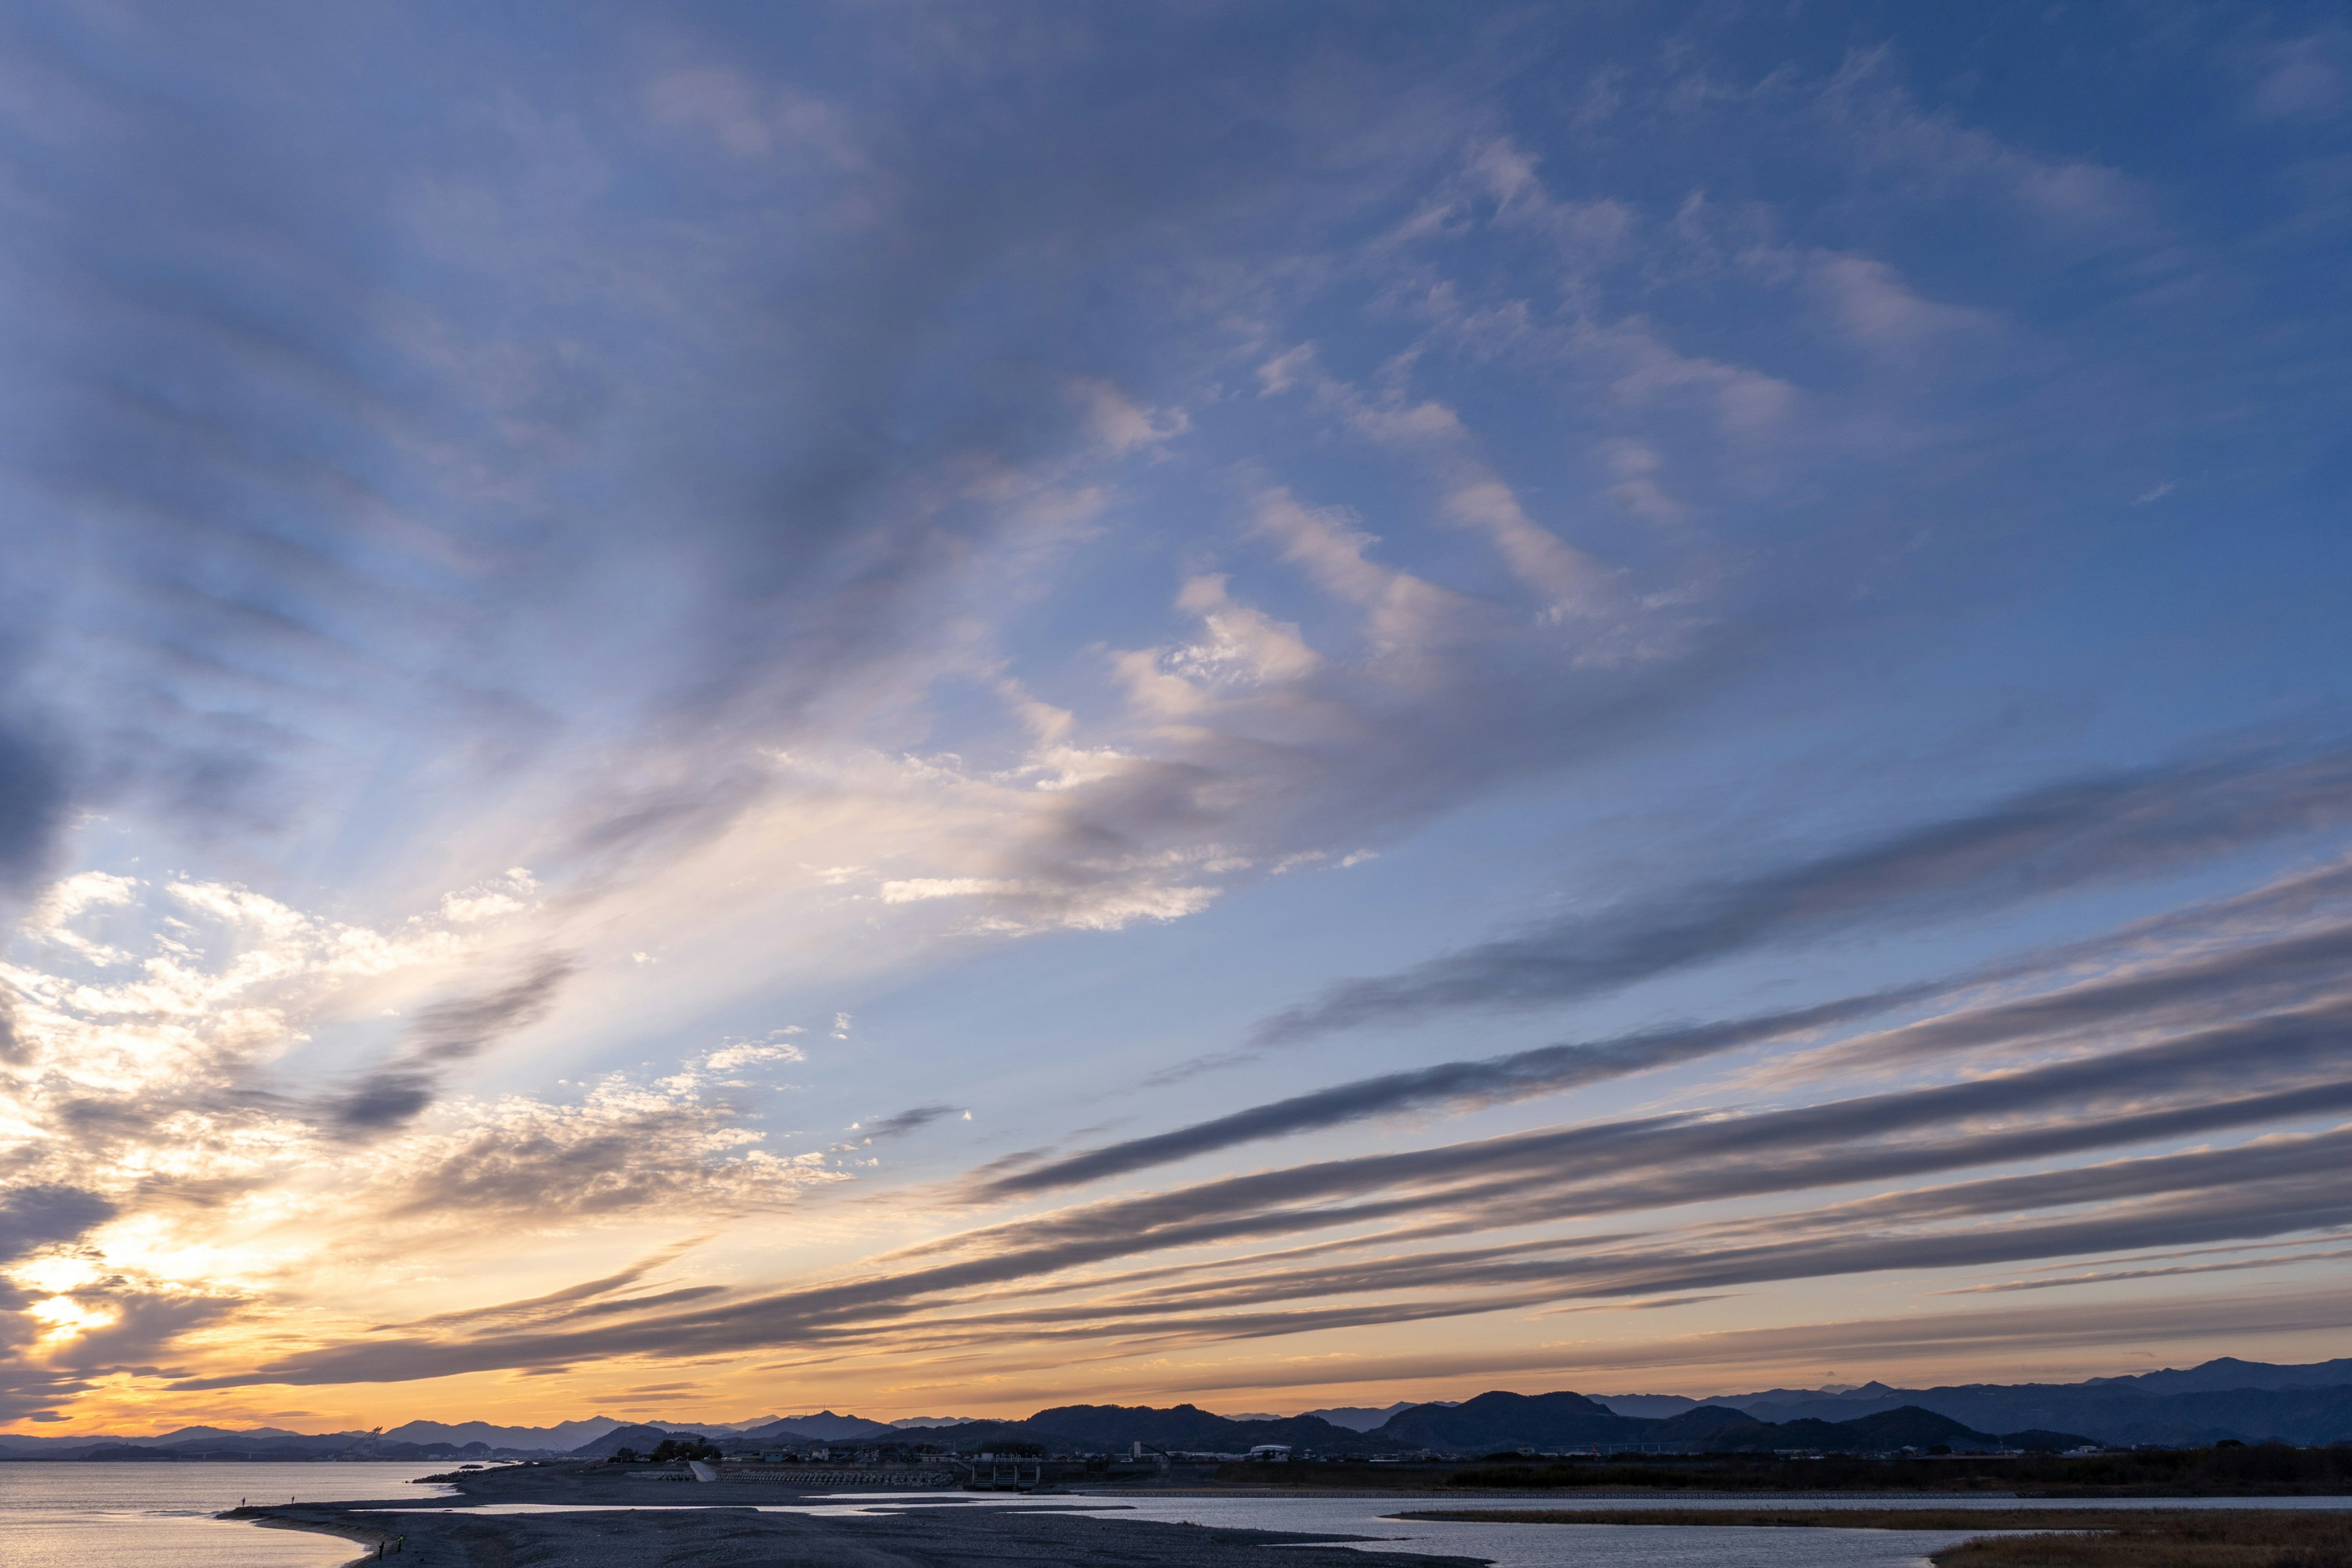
[(2029, 1538)]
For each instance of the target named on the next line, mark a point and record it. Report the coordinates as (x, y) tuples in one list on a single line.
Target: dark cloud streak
[(2263, 1189), (447, 1031), (37, 1216), (34, 799), (2035, 844), (1548, 1069), (2198, 987), (2268, 1189), (905, 1121)]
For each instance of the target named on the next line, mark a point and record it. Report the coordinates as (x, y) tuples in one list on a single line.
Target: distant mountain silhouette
[(1500, 1420), (823, 1427), (1495, 1423), (1649, 1406), (1186, 1428), (2228, 1374), (2226, 1398), (1907, 1426), (562, 1437), (1363, 1417), (639, 1440)]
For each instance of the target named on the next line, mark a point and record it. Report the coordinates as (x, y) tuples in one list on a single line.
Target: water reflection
[(129, 1515)]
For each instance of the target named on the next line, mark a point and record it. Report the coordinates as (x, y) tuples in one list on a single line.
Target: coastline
[(595, 1516), (368, 1535), (602, 1520)]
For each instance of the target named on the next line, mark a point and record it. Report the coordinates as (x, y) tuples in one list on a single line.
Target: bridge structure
[(1009, 1474)]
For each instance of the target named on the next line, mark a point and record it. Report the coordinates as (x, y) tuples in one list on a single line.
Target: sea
[(160, 1515)]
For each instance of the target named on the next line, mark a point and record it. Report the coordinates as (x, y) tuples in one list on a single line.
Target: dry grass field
[(2093, 1538), (2249, 1538)]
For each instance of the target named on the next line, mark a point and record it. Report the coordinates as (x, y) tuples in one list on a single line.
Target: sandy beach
[(633, 1522)]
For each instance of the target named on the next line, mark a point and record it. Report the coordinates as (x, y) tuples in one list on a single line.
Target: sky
[(941, 709)]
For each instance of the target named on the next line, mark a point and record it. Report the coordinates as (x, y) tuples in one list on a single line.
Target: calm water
[(1524, 1545), (160, 1515)]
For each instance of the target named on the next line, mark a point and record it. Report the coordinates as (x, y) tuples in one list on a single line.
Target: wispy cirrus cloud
[(2275, 1186), (2036, 844), (2156, 994), (450, 1031)]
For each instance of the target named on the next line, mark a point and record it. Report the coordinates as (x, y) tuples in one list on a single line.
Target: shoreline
[(601, 1521), (367, 1535), (598, 1519)]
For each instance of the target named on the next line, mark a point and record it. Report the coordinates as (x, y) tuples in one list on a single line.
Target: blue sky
[(971, 706)]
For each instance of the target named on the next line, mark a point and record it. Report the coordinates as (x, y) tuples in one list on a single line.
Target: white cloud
[(750, 122), (2307, 78), (53, 912), (736, 1054), (1285, 370), (1871, 300), (234, 983), (917, 889), (1122, 426), (1584, 233), (1474, 497), (1637, 490), (1934, 156), (488, 901), (1113, 908), (1402, 612), (1647, 372), (1570, 582), (1243, 645)]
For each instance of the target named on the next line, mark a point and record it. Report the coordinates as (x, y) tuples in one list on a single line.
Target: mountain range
[(2228, 1399), (1364, 1417), (1491, 1423), (2219, 1399)]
